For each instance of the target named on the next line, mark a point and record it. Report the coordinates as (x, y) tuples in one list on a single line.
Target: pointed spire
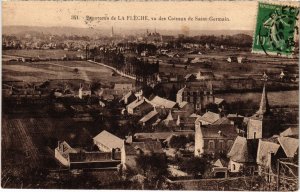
[(264, 104)]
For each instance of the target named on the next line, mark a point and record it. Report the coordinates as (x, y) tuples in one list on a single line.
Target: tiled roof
[(289, 145), (218, 100), (292, 131), (124, 86), (220, 163), (160, 135), (243, 150), (135, 103), (148, 116), (223, 120), (127, 95), (109, 140), (195, 115), (182, 104), (210, 117), (145, 147), (219, 131), (161, 102), (264, 149)]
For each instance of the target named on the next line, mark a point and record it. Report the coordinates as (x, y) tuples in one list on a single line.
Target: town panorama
[(146, 109)]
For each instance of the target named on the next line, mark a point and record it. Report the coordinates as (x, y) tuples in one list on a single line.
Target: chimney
[(178, 121), (220, 133)]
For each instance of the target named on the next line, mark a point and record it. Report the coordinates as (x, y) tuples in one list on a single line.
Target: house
[(242, 155), (214, 139), (190, 77), (208, 118), (169, 121), (107, 142), (237, 59), (84, 91), (77, 158), (149, 118), (160, 102), (130, 151), (185, 109), (266, 152), (106, 94), (261, 124), (139, 107), (202, 75), (122, 88), (198, 96), (220, 169), (219, 102), (128, 98)]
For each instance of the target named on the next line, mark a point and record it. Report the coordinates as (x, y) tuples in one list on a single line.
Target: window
[(233, 167), (254, 135), (211, 145), (221, 144), (229, 143)]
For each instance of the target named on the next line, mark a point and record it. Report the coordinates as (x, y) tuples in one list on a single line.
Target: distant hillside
[(9, 30)]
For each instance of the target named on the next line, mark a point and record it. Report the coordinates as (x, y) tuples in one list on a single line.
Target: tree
[(76, 70), (173, 92), (154, 167), (178, 141), (195, 166)]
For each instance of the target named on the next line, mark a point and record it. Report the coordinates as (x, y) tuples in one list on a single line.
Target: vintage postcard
[(150, 95)]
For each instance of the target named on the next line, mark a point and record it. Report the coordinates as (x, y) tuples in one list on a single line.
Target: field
[(55, 54), (42, 71), (256, 64)]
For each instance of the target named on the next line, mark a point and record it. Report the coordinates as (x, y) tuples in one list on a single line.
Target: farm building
[(76, 158), (108, 142)]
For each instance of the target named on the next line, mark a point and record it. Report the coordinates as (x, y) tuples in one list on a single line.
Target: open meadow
[(55, 70), (51, 53)]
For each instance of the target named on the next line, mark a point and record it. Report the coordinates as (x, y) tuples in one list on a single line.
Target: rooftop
[(210, 117), (289, 145), (243, 150), (109, 140), (219, 131), (145, 147), (161, 102), (148, 116)]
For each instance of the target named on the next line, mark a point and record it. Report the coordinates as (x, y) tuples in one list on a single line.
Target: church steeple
[(264, 104)]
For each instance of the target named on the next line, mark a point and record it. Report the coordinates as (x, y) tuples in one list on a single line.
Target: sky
[(241, 15)]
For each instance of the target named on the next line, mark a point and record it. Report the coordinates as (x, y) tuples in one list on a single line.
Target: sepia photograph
[(150, 95)]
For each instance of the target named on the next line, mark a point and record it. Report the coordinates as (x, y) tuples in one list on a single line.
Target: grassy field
[(55, 54), (256, 64), (42, 71)]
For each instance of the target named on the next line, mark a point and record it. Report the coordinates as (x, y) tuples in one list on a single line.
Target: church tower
[(260, 124)]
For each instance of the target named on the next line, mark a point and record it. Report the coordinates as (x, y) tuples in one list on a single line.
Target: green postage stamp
[(276, 27)]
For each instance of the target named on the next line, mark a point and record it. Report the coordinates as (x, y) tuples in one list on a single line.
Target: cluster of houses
[(238, 144), (20, 92)]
